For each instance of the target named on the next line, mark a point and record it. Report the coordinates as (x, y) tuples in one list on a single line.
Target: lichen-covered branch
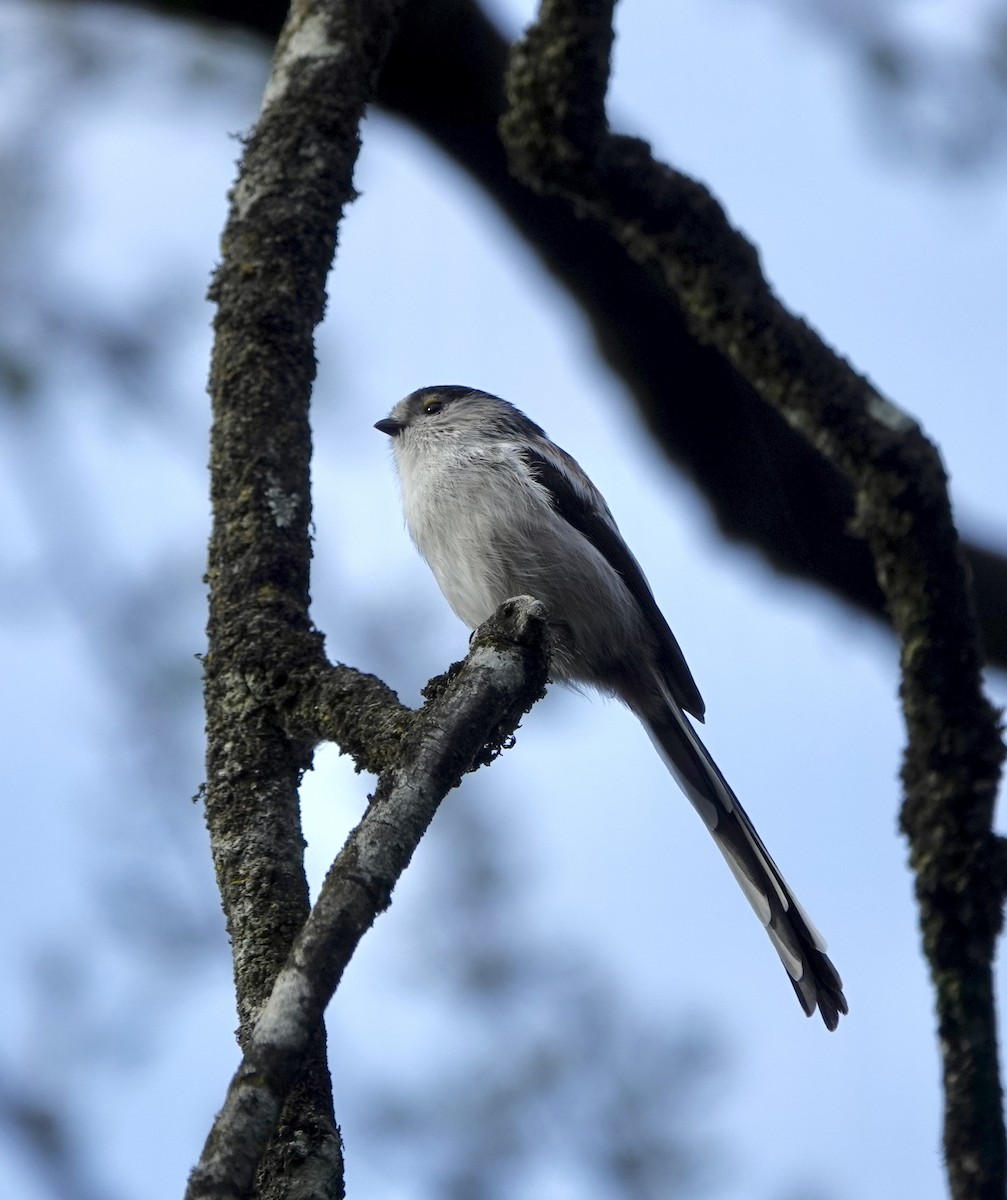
[(444, 74), (472, 713), (321, 702), (559, 142), (295, 178)]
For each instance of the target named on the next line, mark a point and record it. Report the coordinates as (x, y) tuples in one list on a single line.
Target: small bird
[(498, 510)]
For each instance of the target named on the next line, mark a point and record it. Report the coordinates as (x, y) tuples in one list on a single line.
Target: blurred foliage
[(930, 76), (544, 1070), (87, 366), (109, 620), (550, 1070)]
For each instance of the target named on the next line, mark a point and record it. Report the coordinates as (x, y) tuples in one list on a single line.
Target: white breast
[(489, 531), (465, 536)]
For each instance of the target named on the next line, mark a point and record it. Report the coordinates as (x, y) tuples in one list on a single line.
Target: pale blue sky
[(904, 275)]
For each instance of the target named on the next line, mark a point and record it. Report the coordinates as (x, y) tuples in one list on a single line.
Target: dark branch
[(359, 712), (559, 143), (474, 710), (765, 484), (277, 247)]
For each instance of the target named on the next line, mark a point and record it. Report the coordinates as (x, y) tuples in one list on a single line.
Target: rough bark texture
[(471, 714), (681, 310), (294, 180), (559, 142), (766, 485)]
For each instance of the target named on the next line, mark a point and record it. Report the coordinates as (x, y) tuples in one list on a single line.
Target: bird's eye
[(433, 405)]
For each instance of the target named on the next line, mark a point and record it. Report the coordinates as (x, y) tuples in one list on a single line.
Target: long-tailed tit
[(498, 510)]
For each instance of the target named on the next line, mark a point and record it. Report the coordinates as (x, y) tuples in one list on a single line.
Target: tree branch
[(359, 712), (559, 142), (766, 486), (473, 712), (294, 180)]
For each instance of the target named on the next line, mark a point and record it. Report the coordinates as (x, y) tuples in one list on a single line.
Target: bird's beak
[(390, 426)]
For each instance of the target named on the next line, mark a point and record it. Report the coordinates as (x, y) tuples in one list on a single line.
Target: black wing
[(580, 504)]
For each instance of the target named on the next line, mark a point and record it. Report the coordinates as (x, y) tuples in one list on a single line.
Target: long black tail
[(799, 945)]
